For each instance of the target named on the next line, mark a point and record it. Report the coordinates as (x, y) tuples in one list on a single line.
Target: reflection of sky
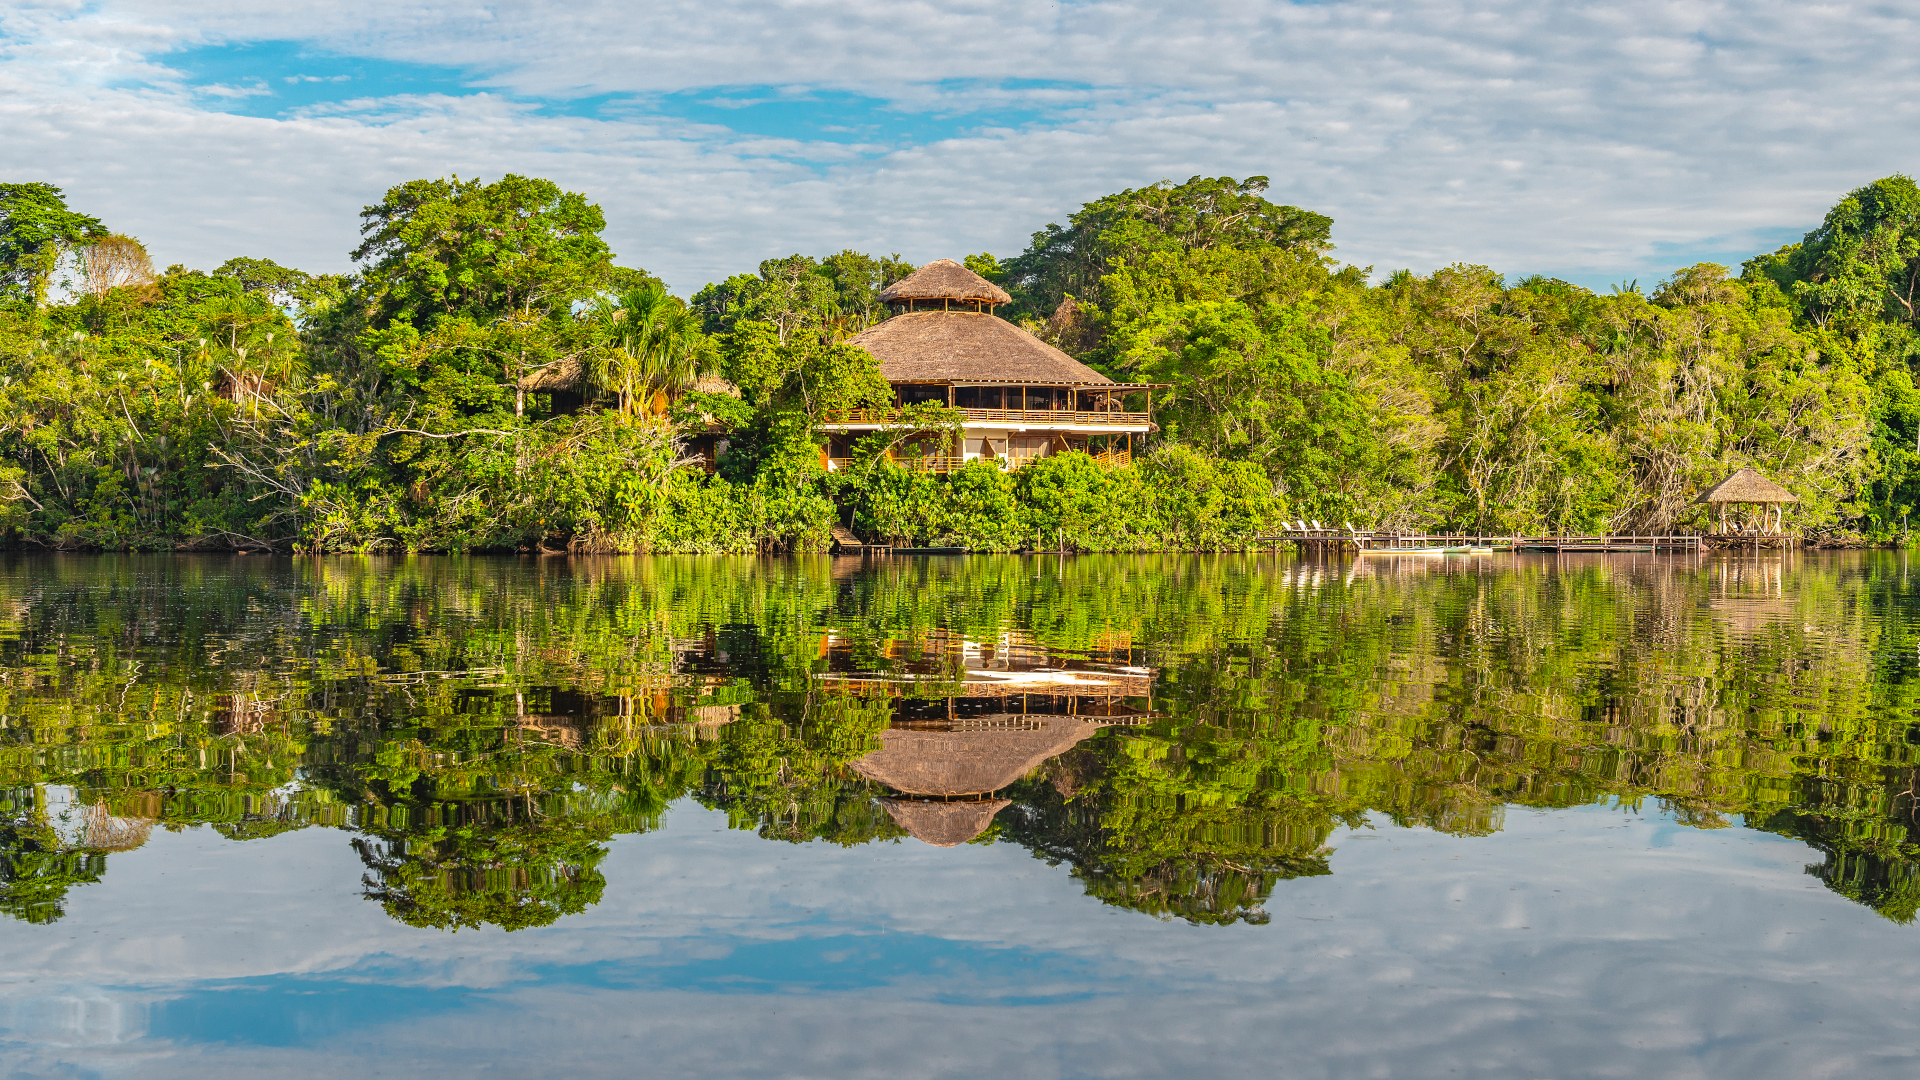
[(1575, 943)]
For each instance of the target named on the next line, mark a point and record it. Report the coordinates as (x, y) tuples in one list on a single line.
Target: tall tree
[(36, 229), (1200, 215), (439, 248), (1863, 261)]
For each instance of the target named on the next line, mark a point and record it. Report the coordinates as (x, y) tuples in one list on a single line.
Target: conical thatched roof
[(1747, 486), (968, 762), (571, 374), (944, 279), (568, 374), (943, 824), (714, 384), (968, 346)]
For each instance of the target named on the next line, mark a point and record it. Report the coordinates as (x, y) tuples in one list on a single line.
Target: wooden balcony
[(1011, 418)]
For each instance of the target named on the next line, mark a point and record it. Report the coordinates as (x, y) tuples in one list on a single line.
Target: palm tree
[(649, 347), (676, 352), (627, 329)]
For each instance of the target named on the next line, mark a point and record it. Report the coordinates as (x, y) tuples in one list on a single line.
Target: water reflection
[(1180, 734)]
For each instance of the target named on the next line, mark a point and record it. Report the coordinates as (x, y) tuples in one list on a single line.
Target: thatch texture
[(943, 824), (968, 346), (969, 762), (944, 279), (568, 375), (571, 375), (1747, 486)]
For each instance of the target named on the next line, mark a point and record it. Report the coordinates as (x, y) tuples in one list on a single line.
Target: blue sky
[(1599, 143)]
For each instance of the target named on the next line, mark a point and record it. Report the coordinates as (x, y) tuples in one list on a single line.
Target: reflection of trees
[(485, 726), (1213, 871), (463, 824), (503, 864), (1866, 859), (782, 770), (37, 868)]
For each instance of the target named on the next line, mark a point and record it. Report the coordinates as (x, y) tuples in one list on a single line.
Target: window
[(1026, 448), (986, 448), (915, 393)]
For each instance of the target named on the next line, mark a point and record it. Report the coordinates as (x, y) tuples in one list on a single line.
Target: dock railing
[(1415, 543)]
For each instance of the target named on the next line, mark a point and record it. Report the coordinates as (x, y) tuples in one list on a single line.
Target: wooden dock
[(1679, 542), (1385, 543)]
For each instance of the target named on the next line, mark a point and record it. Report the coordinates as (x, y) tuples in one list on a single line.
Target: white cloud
[(1617, 139)]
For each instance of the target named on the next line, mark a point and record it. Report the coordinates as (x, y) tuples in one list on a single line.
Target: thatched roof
[(944, 279), (943, 824), (1747, 486), (968, 762), (968, 346), (571, 374), (568, 374)]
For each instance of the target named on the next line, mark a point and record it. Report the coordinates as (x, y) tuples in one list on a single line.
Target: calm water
[(1093, 817)]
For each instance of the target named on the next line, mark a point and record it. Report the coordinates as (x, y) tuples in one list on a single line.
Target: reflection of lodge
[(1018, 705), (1011, 664), (947, 771), (568, 718)]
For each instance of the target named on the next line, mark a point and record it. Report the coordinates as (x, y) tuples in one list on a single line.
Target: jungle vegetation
[(256, 406)]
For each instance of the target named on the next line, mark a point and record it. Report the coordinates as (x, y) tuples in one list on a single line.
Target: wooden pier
[(1384, 543)]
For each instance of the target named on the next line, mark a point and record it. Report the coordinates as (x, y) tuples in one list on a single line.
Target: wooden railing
[(931, 462), (1368, 540), (940, 463), (996, 416)]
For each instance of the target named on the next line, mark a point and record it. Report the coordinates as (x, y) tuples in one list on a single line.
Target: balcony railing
[(931, 462), (941, 463), (1013, 417)]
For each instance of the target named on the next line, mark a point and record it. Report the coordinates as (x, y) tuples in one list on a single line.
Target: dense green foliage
[(482, 728), (1464, 400), (493, 379)]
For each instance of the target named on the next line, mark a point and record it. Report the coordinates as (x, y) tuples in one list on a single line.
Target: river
[(1141, 816)]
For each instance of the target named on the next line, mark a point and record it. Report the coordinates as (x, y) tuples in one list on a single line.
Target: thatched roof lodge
[(1020, 397), (567, 376), (941, 348)]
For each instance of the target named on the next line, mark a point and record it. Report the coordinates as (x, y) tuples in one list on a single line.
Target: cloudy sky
[(1595, 142)]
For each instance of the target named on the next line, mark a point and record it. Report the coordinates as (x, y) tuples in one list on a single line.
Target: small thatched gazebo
[(944, 285), (943, 824), (1748, 488)]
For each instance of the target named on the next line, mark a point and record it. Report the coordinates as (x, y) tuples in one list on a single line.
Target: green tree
[(519, 246), (36, 229), (1200, 215)]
